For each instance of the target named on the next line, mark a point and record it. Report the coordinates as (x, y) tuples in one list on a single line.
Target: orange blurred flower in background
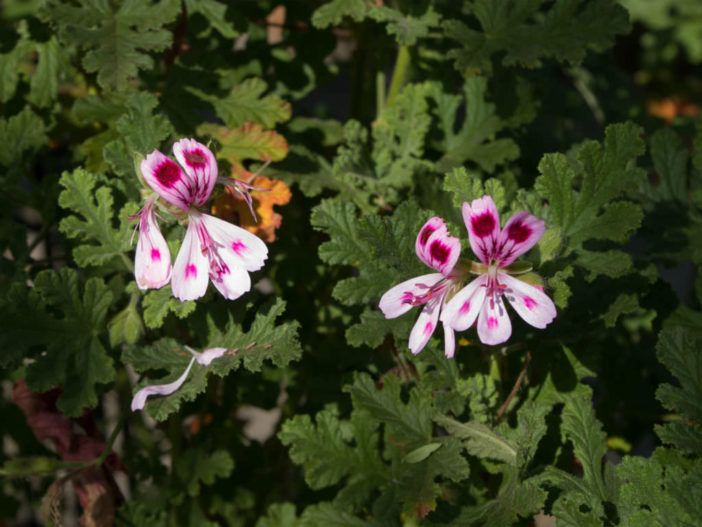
[(232, 207)]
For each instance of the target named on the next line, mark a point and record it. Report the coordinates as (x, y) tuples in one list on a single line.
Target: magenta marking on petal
[(439, 251), (529, 302), (428, 328), (464, 308), (483, 225), (155, 255), (427, 231), (238, 247), (167, 173), (190, 271), (518, 232), (492, 323), (195, 158)]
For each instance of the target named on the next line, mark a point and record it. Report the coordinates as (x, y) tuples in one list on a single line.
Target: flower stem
[(515, 388), (398, 75)]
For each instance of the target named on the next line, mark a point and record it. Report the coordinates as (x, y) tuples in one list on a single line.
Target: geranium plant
[(228, 336)]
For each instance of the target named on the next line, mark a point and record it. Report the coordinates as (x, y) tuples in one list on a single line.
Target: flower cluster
[(212, 249), (444, 295)]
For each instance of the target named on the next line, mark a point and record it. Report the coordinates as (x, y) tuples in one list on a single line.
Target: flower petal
[(494, 326), (521, 232), (449, 342), (483, 223), (398, 300), (436, 248), (207, 356), (139, 399), (461, 311), (245, 248), (533, 305), (229, 277), (200, 165), (425, 325), (190, 272), (152, 261), (167, 179)]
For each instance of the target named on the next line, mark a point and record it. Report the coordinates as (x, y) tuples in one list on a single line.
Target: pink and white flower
[(482, 298), (440, 251), (152, 262), (212, 248), (204, 359)]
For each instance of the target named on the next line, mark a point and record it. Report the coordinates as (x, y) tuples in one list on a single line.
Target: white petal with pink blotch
[(152, 261), (483, 223), (200, 165), (436, 248), (243, 247), (521, 232), (190, 271), (399, 299), (534, 306)]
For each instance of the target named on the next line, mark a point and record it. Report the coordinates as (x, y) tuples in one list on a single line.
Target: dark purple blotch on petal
[(483, 225), (427, 231), (439, 251), (518, 232), (195, 158), (168, 173)]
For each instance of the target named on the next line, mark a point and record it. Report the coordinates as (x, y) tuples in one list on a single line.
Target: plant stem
[(398, 75), (379, 93), (515, 388)]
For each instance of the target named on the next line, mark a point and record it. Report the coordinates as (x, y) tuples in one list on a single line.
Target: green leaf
[(604, 174), (196, 467), (678, 349), (245, 103), (313, 445), (126, 326), (332, 13), (24, 132), (325, 514), (526, 34), (475, 139), (406, 28), (609, 263), (159, 302), (279, 515), (410, 421), (43, 85), (480, 440), (623, 305), (670, 158), (139, 128), (249, 141), (115, 39), (65, 321), (421, 453), (214, 13), (93, 219)]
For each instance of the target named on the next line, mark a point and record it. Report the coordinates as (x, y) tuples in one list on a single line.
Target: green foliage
[(21, 133), (527, 36), (115, 39), (263, 341), (64, 319), (93, 221), (475, 140)]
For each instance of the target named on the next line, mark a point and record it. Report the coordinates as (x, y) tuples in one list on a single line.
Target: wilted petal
[(152, 261), (449, 342), (167, 179), (206, 357), (425, 325), (533, 305), (200, 165), (398, 300), (244, 247), (483, 223), (521, 232), (461, 311), (140, 397), (190, 272), (494, 326)]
